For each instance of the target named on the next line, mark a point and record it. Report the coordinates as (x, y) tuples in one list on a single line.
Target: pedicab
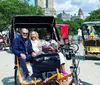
[(47, 65), (91, 37)]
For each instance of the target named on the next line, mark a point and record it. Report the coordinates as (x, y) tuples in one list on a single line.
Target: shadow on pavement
[(85, 83), (9, 51), (8, 80), (97, 63)]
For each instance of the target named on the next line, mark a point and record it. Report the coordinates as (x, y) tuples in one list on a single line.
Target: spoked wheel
[(1, 46), (15, 75), (75, 46), (52, 82)]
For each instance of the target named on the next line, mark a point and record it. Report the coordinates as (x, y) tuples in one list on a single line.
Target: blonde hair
[(35, 34)]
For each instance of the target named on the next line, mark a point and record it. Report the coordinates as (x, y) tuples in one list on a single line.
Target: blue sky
[(72, 6)]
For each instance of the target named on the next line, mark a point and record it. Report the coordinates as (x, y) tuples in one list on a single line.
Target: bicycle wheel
[(74, 46)]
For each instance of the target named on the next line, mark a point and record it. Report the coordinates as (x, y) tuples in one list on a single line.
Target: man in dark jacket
[(22, 48)]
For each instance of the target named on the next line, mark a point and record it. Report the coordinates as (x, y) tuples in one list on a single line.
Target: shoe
[(33, 77), (64, 73), (28, 79), (39, 79)]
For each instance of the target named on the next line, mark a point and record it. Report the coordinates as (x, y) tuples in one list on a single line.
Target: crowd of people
[(26, 47)]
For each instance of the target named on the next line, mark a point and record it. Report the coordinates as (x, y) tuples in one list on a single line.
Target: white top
[(79, 32), (49, 43), (36, 45)]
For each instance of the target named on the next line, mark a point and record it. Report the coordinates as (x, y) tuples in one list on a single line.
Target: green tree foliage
[(94, 15), (79, 21), (59, 21), (9, 8), (73, 26)]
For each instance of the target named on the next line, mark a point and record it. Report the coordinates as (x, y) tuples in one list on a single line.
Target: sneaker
[(33, 78), (28, 79), (64, 73), (39, 79)]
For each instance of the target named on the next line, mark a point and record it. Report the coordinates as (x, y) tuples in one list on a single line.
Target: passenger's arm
[(30, 47), (15, 47), (31, 51)]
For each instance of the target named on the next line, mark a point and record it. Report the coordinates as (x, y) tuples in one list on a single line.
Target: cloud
[(72, 6), (60, 1), (67, 7), (78, 2)]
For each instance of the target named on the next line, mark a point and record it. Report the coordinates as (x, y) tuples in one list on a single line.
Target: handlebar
[(69, 50), (70, 47)]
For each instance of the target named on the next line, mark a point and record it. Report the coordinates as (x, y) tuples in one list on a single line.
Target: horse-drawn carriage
[(47, 65)]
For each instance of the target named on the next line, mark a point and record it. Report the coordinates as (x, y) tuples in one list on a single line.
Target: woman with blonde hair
[(36, 43), (92, 32)]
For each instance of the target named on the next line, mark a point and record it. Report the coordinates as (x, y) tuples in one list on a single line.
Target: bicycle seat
[(47, 62)]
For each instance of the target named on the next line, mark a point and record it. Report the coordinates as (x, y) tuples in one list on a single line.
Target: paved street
[(89, 70)]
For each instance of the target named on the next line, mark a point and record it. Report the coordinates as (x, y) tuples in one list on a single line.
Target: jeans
[(23, 63)]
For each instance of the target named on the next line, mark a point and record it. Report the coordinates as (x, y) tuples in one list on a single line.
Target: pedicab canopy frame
[(31, 21), (91, 45)]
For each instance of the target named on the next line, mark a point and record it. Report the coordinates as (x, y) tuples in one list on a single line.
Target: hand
[(46, 47), (51, 48), (33, 54), (23, 56)]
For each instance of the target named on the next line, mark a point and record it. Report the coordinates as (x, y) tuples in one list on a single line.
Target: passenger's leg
[(31, 59), (23, 65), (62, 62)]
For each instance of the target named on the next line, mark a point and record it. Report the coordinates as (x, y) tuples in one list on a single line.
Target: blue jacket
[(19, 46)]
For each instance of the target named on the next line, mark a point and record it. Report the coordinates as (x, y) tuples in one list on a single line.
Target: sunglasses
[(25, 33)]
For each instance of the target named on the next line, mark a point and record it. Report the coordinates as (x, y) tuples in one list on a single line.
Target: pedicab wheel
[(1, 46), (53, 83), (15, 75)]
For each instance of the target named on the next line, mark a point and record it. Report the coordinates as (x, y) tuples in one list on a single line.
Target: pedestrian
[(17, 34), (79, 38)]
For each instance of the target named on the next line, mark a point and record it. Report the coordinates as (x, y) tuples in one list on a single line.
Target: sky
[(72, 6)]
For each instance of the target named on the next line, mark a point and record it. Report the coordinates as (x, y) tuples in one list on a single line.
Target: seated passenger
[(22, 48), (92, 32), (36, 43), (51, 45)]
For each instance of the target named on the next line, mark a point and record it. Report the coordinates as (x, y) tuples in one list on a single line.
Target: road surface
[(89, 70)]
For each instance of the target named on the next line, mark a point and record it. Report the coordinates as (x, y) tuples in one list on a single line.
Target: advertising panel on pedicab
[(63, 31)]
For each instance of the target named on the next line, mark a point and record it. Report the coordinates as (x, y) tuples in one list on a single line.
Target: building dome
[(80, 13)]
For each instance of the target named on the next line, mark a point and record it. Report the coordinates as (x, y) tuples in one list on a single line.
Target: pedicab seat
[(47, 62)]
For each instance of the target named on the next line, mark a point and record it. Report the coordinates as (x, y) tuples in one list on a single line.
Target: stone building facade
[(48, 7)]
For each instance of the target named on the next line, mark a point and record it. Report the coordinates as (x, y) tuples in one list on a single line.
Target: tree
[(79, 21), (9, 8), (59, 21), (73, 26), (94, 15)]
